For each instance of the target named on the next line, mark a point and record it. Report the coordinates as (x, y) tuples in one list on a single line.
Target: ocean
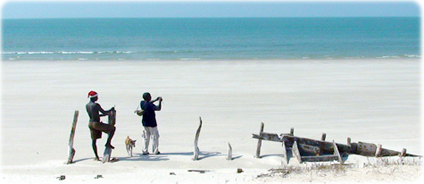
[(210, 38)]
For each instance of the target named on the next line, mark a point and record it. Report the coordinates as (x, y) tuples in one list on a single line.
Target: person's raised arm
[(160, 103), (104, 113)]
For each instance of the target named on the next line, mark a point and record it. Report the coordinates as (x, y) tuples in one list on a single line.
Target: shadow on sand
[(152, 157), (83, 159), (164, 156), (144, 158), (205, 154)]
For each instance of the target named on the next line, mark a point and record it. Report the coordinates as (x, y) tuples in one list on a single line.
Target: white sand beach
[(375, 101)]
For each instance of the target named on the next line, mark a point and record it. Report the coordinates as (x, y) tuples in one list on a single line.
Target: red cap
[(92, 94)]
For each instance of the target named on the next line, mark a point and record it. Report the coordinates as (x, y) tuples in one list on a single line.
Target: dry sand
[(376, 101)]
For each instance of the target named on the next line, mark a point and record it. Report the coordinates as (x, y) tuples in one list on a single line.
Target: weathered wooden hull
[(306, 146), (306, 149), (311, 147)]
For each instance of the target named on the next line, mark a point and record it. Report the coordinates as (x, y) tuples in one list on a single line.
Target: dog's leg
[(128, 150)]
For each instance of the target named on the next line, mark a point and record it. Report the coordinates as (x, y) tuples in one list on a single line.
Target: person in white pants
[(151, 132), (149, 122)]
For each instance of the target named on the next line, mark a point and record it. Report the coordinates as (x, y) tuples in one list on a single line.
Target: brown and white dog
[(129, 143)]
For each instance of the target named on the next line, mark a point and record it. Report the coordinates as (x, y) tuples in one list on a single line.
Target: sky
[(140, 9)]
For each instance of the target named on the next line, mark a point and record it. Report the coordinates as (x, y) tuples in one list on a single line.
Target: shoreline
[(389, 58)]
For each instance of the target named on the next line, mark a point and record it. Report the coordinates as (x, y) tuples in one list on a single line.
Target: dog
[(129, 143)]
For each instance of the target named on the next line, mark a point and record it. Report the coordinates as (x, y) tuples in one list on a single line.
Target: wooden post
[(107, 154), (296, 152), (284, 160), (323, 136), (378, 150), (258, 148), (337, 153), (322, 145), (349, 141), (403, 152), (230, 152), (292, 131), (196, 140), (71, 138), (112, 117)]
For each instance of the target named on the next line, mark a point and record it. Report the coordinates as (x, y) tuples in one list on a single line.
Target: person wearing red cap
[(95, 125)]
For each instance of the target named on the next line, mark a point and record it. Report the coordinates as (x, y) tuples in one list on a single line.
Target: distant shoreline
[(345, 17)]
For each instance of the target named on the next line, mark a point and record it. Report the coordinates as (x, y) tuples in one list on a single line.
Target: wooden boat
[(313, 150)]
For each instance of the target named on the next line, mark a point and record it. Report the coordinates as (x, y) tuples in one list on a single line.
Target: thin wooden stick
[(403, 152), (378, 151), (112, 117), (337, 153), (107, 154), (258, 148), (323, 136), (296, 152), (196, 140), (284, 160), (230, 152), (71, 138)]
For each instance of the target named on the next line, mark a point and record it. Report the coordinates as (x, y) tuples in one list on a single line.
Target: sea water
[(210, 38)]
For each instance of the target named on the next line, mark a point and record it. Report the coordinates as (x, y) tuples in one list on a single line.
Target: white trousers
[(151, 132)]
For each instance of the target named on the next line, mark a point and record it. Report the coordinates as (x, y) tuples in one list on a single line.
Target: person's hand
[(160, 99), (112, 109)]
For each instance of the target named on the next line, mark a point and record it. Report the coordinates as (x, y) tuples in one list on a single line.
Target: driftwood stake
[(349, 141), (285, 159), (296, 152), (196, 140), (230, 152), (112, 117), (337, 153), (258, 148), (107, 154), (71, 138), (403, 152), (323, 136), (378, 151)]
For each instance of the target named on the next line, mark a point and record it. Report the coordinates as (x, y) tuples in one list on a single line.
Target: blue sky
[(114, 9)]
